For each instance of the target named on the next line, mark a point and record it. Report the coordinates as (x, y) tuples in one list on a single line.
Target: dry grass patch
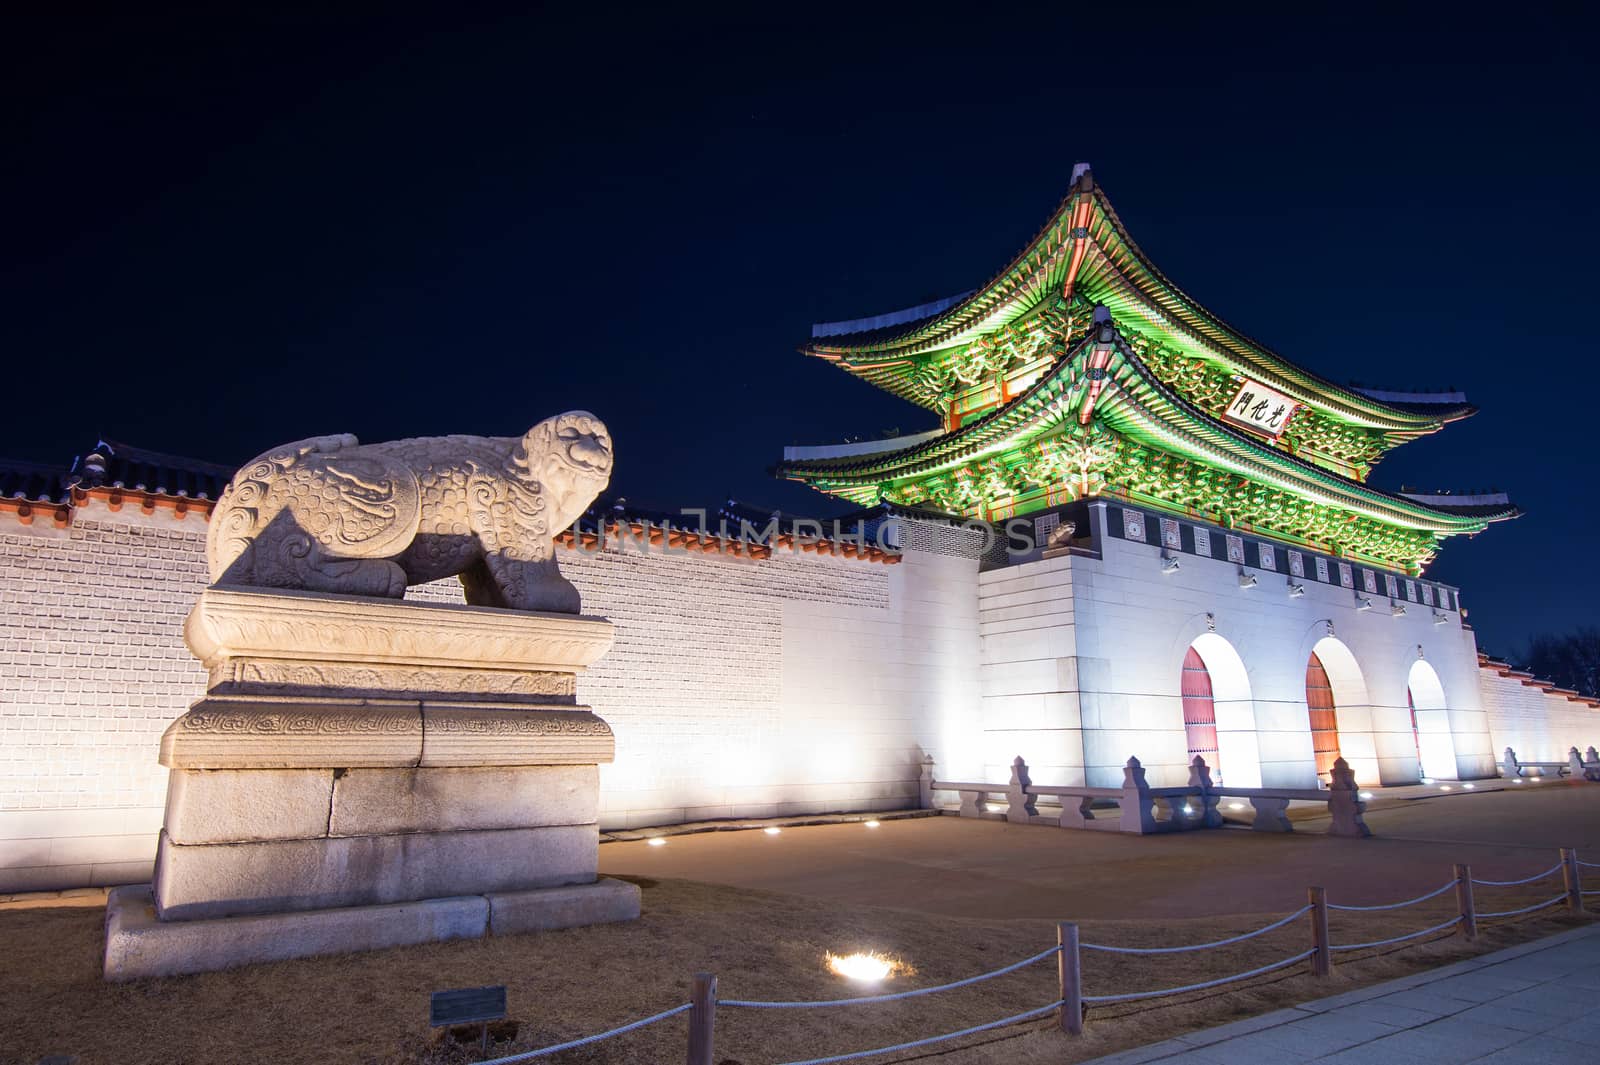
[(372, 1008)]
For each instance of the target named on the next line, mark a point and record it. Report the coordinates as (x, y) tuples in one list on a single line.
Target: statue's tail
[(231, 535), (236, 521)]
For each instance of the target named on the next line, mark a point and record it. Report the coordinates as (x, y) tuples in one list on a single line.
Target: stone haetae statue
[(331, 514)]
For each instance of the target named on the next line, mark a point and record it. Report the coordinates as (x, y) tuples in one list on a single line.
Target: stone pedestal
[(366, 773)]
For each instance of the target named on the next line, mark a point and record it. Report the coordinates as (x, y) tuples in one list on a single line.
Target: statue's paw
[(555, 595)]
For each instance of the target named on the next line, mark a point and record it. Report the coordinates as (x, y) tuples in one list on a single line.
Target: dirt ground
[(969, 868), (951, 898)]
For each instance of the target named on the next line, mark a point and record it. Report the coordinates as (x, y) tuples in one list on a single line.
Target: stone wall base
[(139, 945)]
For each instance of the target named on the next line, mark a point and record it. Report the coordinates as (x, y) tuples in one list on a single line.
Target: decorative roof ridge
[(983, 422), (1082, 181), (1271, 454), (871, 323), (143, 454), (1458, 499), (1443, 398), (1260, 349), (1255, 451)]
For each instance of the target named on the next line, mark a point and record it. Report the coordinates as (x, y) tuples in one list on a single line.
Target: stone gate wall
[(736, 687), (1538, 725)]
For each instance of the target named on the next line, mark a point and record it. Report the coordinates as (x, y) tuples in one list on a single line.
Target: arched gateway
[(1324, 716)]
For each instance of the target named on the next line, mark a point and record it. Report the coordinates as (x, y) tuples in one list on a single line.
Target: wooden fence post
[(1469, 915), (1071, 973), (1322, 960), (1573, 878), (703, 1019)]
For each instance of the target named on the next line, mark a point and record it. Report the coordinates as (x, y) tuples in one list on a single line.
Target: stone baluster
[(925, 784), (1509, 767), (1206, 812), (1574, 764), (971, 803), (1138, 808), (1344, 803), (1020, 809), (1076, 811), (1271, 814)]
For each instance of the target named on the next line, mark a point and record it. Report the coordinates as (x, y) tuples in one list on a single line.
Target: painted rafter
[(1006, 451)]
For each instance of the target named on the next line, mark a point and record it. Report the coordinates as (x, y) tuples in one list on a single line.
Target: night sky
[(223, 234)]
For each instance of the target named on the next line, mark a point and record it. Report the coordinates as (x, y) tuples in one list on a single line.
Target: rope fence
[(1396, 905), (974, 1030), (1135, 995), (1197, 946), (1071, 1005), (1556, 868), (867, 999), (1551, 901), (1451, 923), (586, 1040)]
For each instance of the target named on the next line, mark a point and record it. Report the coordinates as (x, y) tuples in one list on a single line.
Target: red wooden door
[(1199, 712), (1415, 735), (1324, 718)]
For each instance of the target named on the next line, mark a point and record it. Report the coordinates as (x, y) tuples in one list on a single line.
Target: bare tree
[(1572, 659)]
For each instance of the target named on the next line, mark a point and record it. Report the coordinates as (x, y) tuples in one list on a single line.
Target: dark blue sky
[(224, 234)]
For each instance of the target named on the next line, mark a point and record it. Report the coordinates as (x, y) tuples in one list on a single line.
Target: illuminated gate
[(1324, 718), (1200, 712)]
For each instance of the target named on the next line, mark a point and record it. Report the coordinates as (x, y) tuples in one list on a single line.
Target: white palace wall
[(736, 688), (1083, 656), (1538, 725), (795, 684)]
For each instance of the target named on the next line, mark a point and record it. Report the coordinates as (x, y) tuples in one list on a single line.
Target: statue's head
[(570, 456)]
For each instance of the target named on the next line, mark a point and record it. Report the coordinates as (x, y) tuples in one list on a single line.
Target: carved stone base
[(266, 641), (139, 945), (364, 773), (227, 879)]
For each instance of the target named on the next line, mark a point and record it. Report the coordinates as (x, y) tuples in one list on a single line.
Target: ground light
[(656, 842), (872, 824), (866, 966), (1444, 787), (1468, 787), (1236, 806), (773, 831), (1366, 794)]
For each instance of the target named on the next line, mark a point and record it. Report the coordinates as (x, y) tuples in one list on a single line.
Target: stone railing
[(1143, 810), (1584, 766)]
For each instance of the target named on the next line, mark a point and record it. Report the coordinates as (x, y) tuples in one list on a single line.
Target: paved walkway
[(1529, 1005)]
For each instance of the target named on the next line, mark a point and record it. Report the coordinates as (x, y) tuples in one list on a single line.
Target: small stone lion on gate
[(331, 514)]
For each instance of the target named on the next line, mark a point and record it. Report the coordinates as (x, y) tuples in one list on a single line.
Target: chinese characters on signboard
[(1260, 408)]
